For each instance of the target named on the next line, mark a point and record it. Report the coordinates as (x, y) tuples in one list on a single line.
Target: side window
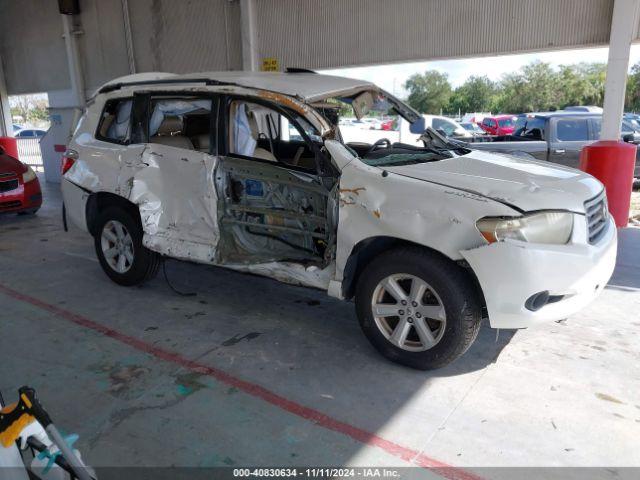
[(447, 127), (529, 127), (486, 122), (181, 122), (570, 130), (260, 132), (115, 123)]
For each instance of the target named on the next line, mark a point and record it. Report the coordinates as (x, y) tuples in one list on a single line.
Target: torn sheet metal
[(291, 273), (270, 214), (174, 191)]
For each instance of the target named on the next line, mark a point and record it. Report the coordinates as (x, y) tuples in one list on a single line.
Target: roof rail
[(164, 81)]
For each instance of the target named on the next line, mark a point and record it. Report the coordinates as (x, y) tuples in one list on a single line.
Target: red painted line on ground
[(318, 418)]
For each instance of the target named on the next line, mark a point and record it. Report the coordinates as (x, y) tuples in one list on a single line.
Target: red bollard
[(612, 162), (10, 146)]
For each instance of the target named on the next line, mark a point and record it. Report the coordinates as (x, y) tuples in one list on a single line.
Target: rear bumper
[(27, 196), (509, 273), (75, 203)]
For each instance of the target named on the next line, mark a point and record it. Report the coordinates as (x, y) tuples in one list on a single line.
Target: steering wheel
[(379, 144)]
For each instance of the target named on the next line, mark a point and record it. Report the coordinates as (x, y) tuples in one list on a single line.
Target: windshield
[(506, 122)]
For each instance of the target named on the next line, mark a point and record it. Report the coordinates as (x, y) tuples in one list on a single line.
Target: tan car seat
[(170, 133), (255, 133)]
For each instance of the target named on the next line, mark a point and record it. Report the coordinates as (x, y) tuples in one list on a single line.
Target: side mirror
[(418, 127), (628, 137)]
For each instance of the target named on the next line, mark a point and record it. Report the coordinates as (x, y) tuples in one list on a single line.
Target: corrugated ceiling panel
[(336, 33), (32, 47)]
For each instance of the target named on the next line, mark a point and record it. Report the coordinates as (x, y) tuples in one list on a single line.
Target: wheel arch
[(99, 201), (366, 250)]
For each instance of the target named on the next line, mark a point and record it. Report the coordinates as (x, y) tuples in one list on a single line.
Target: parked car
[(445, 126), (584, 108), (19, 186), (475, 117), (473, 129), (498, 124), (556, 137), (424, 237), (30, 133), (388, 125)]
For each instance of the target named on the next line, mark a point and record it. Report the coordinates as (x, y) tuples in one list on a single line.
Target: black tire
[(145, 262), (449, 281), (31, 211)]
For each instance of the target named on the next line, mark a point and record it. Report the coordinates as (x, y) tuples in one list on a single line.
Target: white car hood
[(525, 184)]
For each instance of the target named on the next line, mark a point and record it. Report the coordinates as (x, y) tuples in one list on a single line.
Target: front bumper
[(27, 196), (510, 272)]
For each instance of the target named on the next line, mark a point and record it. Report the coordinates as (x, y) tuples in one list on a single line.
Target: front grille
[(6, 205), (8, 185), (7, 174), (597, 215)]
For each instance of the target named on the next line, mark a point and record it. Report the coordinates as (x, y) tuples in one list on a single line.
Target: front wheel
[(417, 308), (118, 244)]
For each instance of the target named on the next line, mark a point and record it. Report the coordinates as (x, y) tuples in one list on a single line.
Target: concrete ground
[(253, 372)]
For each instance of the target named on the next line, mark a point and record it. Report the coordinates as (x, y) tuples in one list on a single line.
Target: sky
[(392, 77)]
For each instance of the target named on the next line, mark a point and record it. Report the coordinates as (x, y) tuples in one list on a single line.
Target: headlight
[(28, 175), (545, 227)]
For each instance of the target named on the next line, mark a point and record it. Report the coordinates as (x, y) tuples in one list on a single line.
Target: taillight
[(68, 159)]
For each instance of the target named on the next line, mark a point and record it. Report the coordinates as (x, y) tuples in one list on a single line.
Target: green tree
[(476, 94), (428, 92), (535, 88), (632, 101)]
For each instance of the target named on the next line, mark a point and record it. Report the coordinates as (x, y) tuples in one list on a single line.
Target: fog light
[(536, 301)]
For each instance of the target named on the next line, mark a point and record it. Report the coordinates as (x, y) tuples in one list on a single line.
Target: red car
[(19, 187), (498, 124)]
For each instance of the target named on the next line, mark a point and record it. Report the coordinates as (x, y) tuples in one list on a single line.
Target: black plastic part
[(536, 301), (64, 218), (298, 70), (38, 411)]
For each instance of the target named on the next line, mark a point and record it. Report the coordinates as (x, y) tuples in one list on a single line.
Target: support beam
[(248, 32), (128, 38), (6, 124), (73, 62), (623, 25)]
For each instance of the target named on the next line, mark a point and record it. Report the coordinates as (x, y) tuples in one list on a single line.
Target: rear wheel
[(417, 308), (118, 244)]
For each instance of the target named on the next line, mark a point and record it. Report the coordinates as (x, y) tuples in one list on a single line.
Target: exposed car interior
[(260, 132), (271, 213), (181, 123)]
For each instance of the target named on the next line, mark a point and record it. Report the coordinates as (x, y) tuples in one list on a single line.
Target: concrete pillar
[(623, 24), (6, 124), (248, 31)]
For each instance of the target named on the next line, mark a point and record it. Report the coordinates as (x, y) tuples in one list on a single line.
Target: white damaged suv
[(249, 171)]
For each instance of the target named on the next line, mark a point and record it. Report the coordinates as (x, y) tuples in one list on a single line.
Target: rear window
[(574, 129), (115, 123), (529, 127)]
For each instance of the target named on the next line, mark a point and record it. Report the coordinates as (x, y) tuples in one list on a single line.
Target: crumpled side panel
[(391, 205), (175, 193)]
